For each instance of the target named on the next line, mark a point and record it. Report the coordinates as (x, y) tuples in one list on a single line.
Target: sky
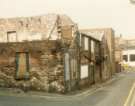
[(118, 14)]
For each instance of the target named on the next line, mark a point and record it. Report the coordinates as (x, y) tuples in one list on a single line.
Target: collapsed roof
[(96, 34), (39, 26)]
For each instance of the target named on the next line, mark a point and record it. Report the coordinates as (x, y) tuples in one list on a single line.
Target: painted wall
[(128, 53)]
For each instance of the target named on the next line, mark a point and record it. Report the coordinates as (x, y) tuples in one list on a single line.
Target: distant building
[(125, 50), (128, 51)]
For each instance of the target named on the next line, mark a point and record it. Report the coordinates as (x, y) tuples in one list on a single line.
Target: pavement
[(115, 92)]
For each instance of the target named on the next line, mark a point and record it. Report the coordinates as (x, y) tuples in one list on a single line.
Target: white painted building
[(129, 57), (127, 44)]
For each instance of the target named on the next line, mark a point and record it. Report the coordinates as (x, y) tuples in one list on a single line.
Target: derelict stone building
[(32, 51), (48, 53)]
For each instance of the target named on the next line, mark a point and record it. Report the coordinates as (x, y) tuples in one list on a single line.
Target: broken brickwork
[(46, 65)]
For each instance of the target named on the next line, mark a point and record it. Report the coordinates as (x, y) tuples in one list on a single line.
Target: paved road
[(114, 93)]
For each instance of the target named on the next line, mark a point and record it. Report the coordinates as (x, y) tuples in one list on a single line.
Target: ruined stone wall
[(118, 50), (46, 66), (33, 28), (110, 50), (44, 38)]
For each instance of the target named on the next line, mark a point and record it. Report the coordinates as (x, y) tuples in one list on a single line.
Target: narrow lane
[(112, 94)]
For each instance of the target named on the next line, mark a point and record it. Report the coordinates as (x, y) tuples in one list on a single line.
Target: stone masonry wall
[(33, 28), (46, 66)]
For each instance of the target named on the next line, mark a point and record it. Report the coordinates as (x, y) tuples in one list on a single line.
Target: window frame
[(8, 36), (132, 59), (86, 43), (126, 57)]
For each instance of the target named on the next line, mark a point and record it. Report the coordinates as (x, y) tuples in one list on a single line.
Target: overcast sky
[(118, 14)]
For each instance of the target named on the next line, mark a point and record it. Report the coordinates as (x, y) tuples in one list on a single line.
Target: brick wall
[(46, 66)]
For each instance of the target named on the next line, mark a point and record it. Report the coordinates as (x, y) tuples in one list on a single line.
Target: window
[(132, 57), (67, 70), (92, 46), (11, 36), (86, 43), (125, 57)]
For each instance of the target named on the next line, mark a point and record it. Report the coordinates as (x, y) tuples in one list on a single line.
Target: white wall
[(28, 36), (84, 71), (21, 36), (128, 53), (86, 43)]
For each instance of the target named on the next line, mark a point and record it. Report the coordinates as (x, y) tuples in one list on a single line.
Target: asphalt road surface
[(114, 93)]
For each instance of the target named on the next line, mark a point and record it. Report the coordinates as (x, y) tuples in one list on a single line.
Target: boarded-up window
[(22, 65), (11, 36), (67, 73), (92, 50), (73, 63), (92, 46), (80, 40), (84, 71)]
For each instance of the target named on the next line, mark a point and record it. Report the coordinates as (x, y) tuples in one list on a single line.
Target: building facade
[(48, 53), (33, 52), (107, 37), (128, 51), (90, 60), (125, 51)]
